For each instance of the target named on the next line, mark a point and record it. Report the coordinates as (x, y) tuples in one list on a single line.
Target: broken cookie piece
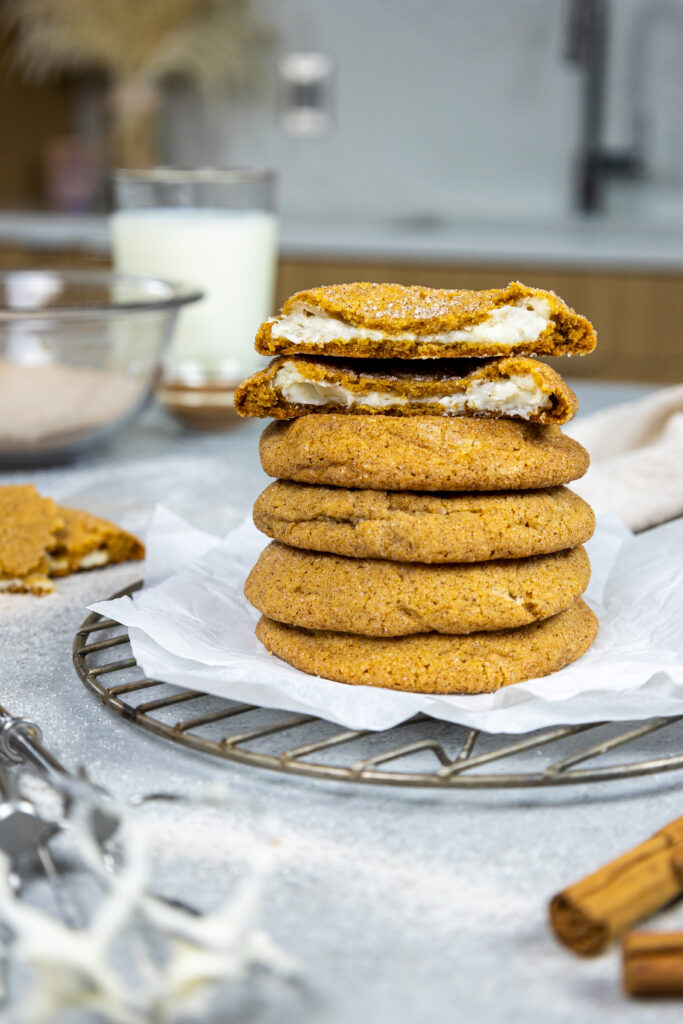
[(88, 542), (28, 526), (38, 540), (365, 319), (514, 388)]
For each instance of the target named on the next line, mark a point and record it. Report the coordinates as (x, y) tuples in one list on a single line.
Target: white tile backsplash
[(455, 109)]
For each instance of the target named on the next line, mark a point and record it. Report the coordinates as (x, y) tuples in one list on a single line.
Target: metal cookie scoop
[(21, 742), (21, 827)]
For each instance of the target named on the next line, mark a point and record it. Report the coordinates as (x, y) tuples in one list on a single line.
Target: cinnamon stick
[(653, 964), (592, 913)]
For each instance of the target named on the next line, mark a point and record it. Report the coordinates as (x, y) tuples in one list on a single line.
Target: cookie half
[(421, 453), (407, 322), (432, 662), (409, 527), (374, 597), (516, 388), (88, 542)]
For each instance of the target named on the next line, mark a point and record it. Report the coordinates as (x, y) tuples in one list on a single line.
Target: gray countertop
[(403, 906)]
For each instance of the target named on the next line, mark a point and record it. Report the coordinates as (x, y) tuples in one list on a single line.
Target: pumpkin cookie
[(382, 598), (516, 388), (432, 662), (28, 526), (421, 453), (88, 542), (408, 322), (408, 527)]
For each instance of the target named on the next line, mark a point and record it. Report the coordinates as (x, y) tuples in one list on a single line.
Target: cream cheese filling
[(517, 395), (93, 559), (31, 583), (56, 564), (90, 560), (524, 321), (12, 581)]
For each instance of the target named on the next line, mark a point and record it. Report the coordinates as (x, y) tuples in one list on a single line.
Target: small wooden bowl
[(200, 406)]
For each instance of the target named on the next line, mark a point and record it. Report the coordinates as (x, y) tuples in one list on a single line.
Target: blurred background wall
[(464, 108), (437, 108), (431, 141)]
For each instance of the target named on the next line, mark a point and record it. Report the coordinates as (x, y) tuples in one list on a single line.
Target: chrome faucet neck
[(587, 46)]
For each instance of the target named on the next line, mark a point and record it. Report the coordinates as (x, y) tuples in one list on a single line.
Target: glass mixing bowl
[(80, 351)]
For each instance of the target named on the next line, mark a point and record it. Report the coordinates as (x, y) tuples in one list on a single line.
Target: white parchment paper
[(192, 626)]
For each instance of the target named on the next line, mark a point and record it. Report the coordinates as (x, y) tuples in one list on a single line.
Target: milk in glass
[(231, 255)]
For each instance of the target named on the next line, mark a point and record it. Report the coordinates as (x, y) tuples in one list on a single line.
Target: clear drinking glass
[(216, 229)]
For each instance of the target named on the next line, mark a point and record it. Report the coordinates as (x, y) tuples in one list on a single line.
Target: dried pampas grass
[(215, 44)]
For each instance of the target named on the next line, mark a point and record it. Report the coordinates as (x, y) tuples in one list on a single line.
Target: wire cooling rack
[(420, 752)]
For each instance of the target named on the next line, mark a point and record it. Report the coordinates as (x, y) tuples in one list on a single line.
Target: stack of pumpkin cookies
[(423, 536)]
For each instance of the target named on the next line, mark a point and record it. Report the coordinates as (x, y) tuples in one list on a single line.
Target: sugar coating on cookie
[(433, 662), (376, 597), (421, 453), (392, 320), (421, 527), (514, 387), (28, 527)]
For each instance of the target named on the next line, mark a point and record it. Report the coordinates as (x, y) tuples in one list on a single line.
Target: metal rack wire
[(306, 745)]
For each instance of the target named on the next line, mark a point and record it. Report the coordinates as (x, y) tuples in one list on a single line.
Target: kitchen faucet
[(586, 46)]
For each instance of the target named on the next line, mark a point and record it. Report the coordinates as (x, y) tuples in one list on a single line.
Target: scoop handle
[(22, 740)]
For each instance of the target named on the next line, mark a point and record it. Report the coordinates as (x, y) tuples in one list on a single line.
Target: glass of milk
[(213, 228)]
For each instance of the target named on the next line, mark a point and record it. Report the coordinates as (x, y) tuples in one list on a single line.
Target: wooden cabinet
[(15, 257)]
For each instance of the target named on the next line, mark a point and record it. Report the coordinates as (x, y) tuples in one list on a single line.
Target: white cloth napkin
[(636, 452)]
